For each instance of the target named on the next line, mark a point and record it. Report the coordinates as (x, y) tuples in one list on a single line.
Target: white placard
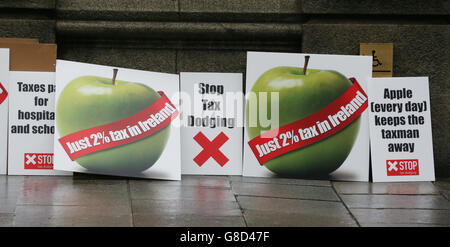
[(31, 123), (211, 135), (353, 146), (86, 98), (4, 79), (400, 129)]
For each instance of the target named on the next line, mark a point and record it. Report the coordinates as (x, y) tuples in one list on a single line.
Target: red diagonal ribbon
[(3, 93), (288, 137), (132, 128)]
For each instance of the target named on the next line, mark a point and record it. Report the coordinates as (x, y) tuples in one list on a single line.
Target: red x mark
[(211, 149), (3, 93)]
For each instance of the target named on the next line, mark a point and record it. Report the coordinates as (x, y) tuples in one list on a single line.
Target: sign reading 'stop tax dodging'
[(211, 136)]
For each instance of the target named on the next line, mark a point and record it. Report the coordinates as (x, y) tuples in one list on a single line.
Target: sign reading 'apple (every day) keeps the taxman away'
[(400, 129), (306, 116), (211, 134), (117, 121)]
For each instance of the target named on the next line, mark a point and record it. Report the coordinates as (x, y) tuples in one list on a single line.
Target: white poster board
[(4, 79), (211, 134), (343, 156), (31, 123), (400, 129), (123, 125)]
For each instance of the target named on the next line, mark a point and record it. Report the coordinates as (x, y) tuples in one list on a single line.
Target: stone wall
[(214, 35)]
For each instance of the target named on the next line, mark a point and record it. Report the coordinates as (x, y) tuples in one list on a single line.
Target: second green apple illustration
[(303, 92), (91, 101)]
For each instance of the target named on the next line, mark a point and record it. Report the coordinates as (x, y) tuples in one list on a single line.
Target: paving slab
[(211, 201), (145, 190), (443, 186), (285, 191), (10, 179), (256, 218), (388, 217), (206, 181), (443, 183), (276, 180), (412, 188), (38, 216), (187, 221), (67, 191), (10, 185), (6, 220), (193, 180), (261, 211), (396, 201), (186, 207), (7, 204), (10, 188), (282, 205), (446, 194)]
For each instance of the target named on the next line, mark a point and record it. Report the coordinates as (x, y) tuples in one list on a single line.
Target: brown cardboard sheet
[(31, 57), (19, 40)]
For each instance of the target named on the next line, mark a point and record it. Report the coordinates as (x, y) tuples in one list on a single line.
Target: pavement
[(85, 200)]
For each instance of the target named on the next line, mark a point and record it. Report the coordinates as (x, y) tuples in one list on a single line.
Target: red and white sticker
[(402, 167), (3, 93), (313, 128), (40, 161), (130, 129)]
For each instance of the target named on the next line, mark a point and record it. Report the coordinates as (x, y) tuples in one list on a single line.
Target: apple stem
[(114, 76), (306, 65)]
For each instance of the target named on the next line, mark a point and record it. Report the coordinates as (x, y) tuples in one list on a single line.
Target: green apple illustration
[(302, 93), (91, 101)]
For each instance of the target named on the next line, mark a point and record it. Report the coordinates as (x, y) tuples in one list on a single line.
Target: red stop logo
[(402, 167), (38, 161)]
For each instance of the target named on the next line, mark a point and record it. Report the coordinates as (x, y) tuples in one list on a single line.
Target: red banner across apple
[(313, 128), (3, 93), (131, 129)]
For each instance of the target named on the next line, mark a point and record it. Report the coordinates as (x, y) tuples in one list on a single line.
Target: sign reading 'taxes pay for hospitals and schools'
[(31, 109), (211, 135), (400, 129)]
